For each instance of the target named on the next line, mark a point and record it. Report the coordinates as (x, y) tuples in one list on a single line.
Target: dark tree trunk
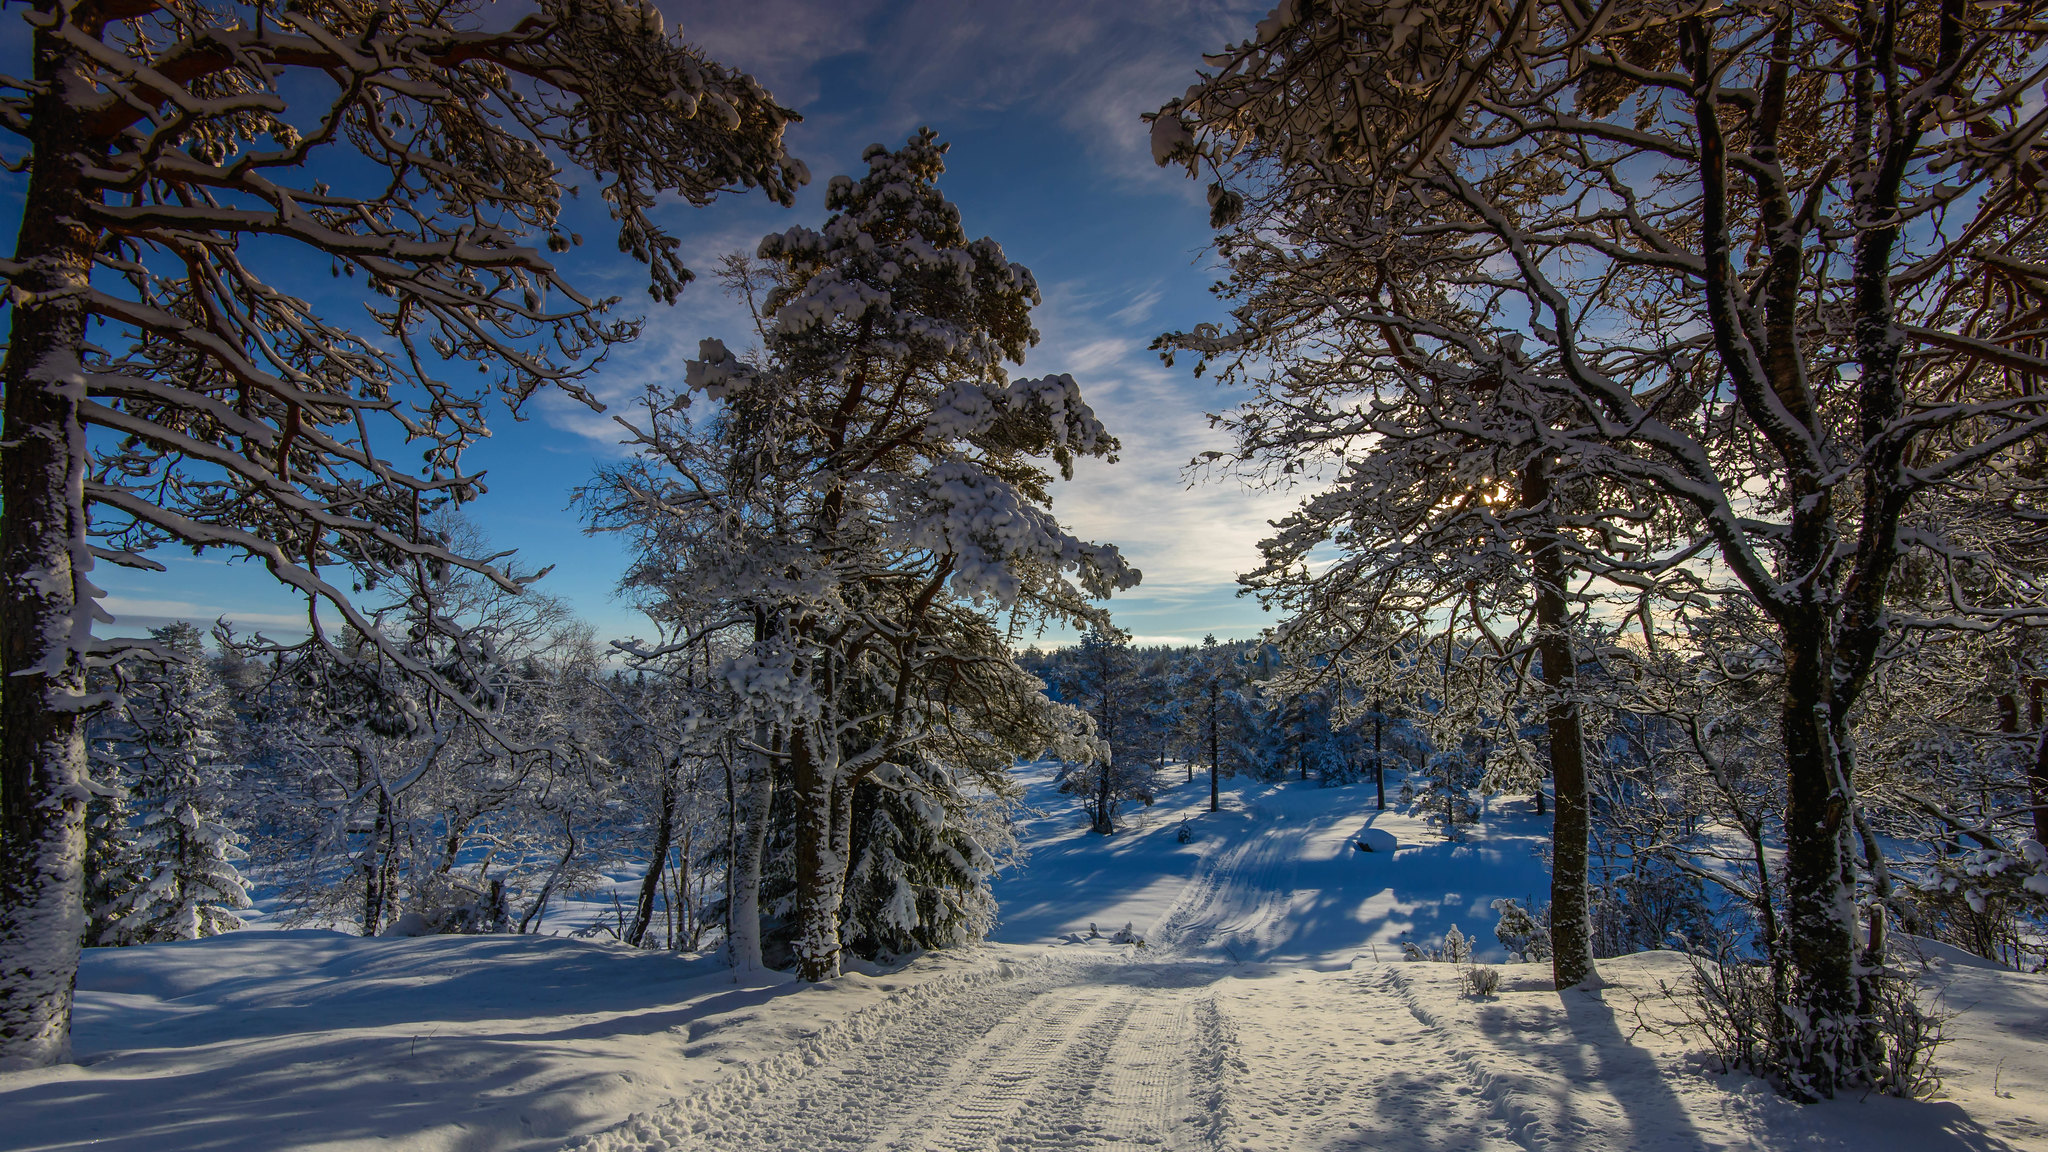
[(2038, 774), (1214, 761), (818, 869), (1821, 917), (375, 868), (1571, 923), (650, 884), (45, 599), (1379, 770)]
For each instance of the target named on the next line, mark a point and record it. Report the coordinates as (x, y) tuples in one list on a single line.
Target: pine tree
[(869, 490), (113, 866), (1448, 777), (161, 386), (178, 765)]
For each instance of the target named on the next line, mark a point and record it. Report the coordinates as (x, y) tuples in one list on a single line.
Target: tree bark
[(1214, 762), (2038, 771), (818, 868), (1379, 772), (743, 912), (1571, 921), (1821, 915), (46, 599), (664, 831)]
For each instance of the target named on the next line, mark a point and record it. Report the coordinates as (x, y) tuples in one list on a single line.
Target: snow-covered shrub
[(1526, 936), (1448, 778), (1989, 902), (1127, 935), (1738, 1008), (1733, 1006), (1482, 981), (454, 903), (1456, 949), (920, 873)]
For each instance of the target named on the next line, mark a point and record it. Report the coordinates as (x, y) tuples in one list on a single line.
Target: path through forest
[(1268, 1010)]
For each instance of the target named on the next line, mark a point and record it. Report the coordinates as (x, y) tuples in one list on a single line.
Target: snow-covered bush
[(1448, 778), (1526, 936), (1456, 949), (1989, 901), (1736, 1006), (1482, 981)]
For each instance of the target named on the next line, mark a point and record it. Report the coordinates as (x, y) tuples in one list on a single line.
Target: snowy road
[(1172, 1046), (1094, 1053), (1268, 1011), (1112, 1053)]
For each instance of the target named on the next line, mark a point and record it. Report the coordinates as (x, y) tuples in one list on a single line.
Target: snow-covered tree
[(1448, 779), (177, 766), (161, 386), (867, 490), (1791, 404), (1101, 677)]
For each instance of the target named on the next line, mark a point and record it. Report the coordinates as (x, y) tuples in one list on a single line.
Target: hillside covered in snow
[(1268, 1007)]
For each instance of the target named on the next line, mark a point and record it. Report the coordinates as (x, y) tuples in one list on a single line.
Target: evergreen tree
[(177, 763), (1101, 679), (1448, 778), (868, 492)]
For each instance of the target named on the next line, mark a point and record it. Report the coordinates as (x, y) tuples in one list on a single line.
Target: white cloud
[(137, 611), (1190, 537)]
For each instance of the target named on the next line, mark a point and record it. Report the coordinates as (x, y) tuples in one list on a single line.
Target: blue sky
[(1040, 102)]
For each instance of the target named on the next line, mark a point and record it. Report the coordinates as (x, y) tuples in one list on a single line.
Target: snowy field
[(1269, 1009)]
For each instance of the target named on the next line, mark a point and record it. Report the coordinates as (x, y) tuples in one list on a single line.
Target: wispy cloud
[(1191, 537), (139, 612), (1093, 67)]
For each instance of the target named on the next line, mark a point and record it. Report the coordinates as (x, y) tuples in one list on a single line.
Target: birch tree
[(164, 385)]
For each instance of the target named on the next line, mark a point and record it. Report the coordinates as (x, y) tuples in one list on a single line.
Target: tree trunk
[(1571, 922), (1379, 771), (374, 895), (538, 913), (1102, 821), (2038, 774), (1214, 762), (818, 868), (743, 911), (664, 831), (46, 600), (1819, 895)]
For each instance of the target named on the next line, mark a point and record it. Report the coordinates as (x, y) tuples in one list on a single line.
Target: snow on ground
[(1267, 1010), (1273, 877)]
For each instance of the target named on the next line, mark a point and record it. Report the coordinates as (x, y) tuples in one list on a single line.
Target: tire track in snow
[(1087, 1055), (1236, 893), (837, 1096), (1145, 1099), (1021, 1061), (1039, 1102)]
